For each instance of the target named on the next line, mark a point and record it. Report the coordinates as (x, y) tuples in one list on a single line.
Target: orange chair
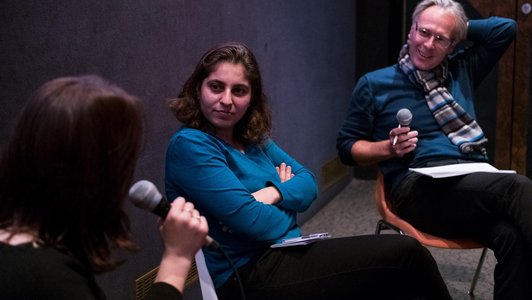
[(391, 221)]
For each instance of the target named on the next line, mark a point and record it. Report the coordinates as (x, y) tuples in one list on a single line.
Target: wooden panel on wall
[(513, 88), (521, 88)]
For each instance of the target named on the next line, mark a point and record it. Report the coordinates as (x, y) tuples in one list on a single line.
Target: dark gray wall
[(306, 49)]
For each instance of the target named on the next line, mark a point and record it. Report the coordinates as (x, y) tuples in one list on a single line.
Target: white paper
[(302, 240), (458, 169)]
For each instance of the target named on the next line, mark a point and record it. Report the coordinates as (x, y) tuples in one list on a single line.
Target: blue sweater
[(378, 96), (219, 180)]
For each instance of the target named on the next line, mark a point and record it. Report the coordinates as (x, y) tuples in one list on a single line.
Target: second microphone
[(144, 194)]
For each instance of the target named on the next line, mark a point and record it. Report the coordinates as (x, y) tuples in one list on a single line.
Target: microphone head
[(404, 116), (145, 195)]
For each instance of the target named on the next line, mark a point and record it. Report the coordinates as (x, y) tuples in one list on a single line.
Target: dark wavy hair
[(255, 125), (68, 166)]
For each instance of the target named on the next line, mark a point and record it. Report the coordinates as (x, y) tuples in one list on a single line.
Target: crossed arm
[(270, 194)]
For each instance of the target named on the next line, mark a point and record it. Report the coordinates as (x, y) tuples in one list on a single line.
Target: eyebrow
[(246, 85)]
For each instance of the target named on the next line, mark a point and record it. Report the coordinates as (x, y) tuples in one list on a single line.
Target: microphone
[(145, 195), (404, 117)]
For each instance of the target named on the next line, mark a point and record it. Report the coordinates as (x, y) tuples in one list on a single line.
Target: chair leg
[(383, 225), (379, 227), (477, 272)]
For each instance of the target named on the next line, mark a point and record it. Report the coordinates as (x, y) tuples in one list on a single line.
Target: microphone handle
[(162, 210), (395, 137), (211, 243)]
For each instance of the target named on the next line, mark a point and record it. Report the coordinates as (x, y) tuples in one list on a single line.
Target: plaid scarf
[(455, 122)]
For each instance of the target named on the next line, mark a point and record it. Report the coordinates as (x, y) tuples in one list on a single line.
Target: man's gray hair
[(452, 7)]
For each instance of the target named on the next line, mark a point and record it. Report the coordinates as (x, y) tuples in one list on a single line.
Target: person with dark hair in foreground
[(250, 191), (64, 176), (436, 82)]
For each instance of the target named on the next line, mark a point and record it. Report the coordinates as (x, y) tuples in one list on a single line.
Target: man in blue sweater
[(437, 83)]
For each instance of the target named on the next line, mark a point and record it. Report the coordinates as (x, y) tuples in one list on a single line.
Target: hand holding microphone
[(404, 118), (185, 219)]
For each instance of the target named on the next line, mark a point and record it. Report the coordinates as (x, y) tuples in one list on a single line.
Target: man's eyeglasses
[(439, 40)]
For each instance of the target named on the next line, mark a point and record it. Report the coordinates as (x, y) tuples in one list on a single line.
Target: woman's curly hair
[(255, 125)]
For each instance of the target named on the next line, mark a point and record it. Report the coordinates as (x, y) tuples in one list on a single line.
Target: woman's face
[(225, 97), (428, 38)]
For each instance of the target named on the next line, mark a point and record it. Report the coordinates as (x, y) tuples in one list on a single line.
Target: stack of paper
[(302, 240), (458, 169)]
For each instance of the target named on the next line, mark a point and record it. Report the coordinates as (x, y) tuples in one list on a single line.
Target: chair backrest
[(386, 213)]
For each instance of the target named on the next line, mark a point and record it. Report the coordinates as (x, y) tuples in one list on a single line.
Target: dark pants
[(492, 208), (360, 267)]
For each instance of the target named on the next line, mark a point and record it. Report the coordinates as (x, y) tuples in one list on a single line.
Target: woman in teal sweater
[(250, 192)]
